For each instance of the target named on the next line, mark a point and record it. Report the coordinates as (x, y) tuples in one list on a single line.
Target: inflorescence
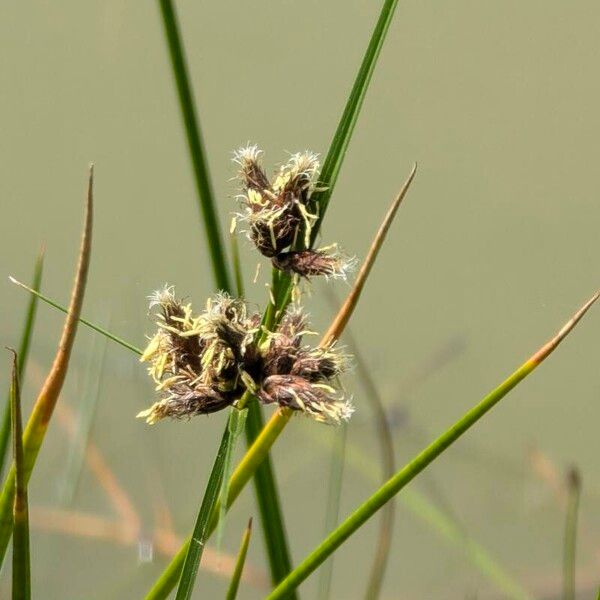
[(280, 216), (202, 364)]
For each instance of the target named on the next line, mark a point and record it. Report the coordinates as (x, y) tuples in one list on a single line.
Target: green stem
[(21, 572), (195, 146), (343, 134), (397, 482), (441, 523), (81, 320), (22, 354), (239, 564), (196, 546), (242, 474), (421, 461)]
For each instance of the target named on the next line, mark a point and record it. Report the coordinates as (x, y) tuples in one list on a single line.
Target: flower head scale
[(311, 263), (301, 377), (320, 401), (202, 364)]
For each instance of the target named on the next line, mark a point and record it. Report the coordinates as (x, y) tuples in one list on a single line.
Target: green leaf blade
[(21, 571), (403, 477), (22, 354), (265, 482), (239, 564), (65, 310), (195, 146), (196, 544), (341, 139)]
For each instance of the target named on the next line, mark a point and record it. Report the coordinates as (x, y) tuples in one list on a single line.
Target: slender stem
[(23, 354), (21, 573), (81, 320), (242, 474), (343, 134), (441, 523), (239, 565), (198, 540), (364, 512), (570, 547), (195, 146)]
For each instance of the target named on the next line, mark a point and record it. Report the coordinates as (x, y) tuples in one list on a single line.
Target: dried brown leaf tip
[(280, 217), (202, 364)]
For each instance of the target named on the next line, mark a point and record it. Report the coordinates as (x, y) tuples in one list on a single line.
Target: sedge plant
[(228, 356)]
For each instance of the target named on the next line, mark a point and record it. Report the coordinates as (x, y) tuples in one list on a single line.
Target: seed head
[(277, 212), (194, 359), (202, 364)]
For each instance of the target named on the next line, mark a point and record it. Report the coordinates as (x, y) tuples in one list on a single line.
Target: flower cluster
[(202, 364), (278, 212)]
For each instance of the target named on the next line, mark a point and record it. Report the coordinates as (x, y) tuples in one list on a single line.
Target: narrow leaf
[(235, 423), (21, 571), (344, 314), (44, 406), (239, 565), (364, 512), (282, 282), (341, 139), (83, 321), (195, 145), (570, 546), (199, 536), (23, 354), (440, 522)]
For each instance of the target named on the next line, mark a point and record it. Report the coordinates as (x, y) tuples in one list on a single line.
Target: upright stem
[(403, 477), (195, 145)]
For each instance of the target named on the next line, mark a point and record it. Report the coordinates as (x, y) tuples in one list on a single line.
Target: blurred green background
[(495, 247)]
